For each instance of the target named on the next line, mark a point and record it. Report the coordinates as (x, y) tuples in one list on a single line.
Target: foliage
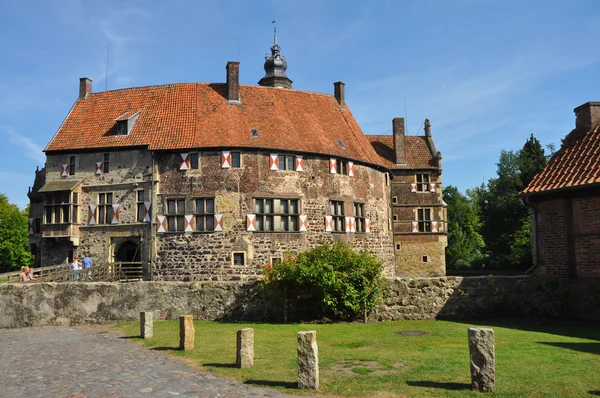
[(14, 237), (333, 280)]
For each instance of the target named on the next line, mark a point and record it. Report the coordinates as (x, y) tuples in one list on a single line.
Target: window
[(194, 160), (141, 207), (337, 215), (395, 217), (277, 215), (205, 214), (424, 219), (359, 216), (238, 258), (422, 182), (105, 210), (276, 260), (37, 225), (394, 199), (398, 246), (287, 162), (106, 163), (342, 166), (122, 127), (175, 214), (425, 259), (60, 207), (72, 165), (236, 159)]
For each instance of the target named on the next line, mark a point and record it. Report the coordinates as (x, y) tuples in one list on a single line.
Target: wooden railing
[(120, 271)]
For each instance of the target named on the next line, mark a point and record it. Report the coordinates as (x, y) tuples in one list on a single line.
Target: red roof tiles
[(196, 115), (576, 164), (417, 152)]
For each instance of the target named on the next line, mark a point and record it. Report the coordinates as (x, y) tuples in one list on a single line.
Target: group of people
[(86, 263), (26, 274)]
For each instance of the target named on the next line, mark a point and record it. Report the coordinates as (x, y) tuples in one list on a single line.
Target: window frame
[(337, 218), (424, 219), (239, 159), (423, 180), (204, 215), (66, 212), (141, 205), (233, 258), (178, 217), (72, 164), (106, 163), (105, 209), (194, 158), (359, 216), (286, 159), (279, 221)]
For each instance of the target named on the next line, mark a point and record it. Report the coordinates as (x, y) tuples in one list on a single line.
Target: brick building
[(210, 181), (565, 202)]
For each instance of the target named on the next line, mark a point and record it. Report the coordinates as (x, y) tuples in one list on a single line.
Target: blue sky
[(487, 73)]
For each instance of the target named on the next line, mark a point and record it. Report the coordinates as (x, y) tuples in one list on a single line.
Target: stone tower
[(275, 66)]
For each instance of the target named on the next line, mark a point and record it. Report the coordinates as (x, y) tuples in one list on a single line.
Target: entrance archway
[(128, 252)]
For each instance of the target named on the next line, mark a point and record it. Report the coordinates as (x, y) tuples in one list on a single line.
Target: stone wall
[(41, 304)]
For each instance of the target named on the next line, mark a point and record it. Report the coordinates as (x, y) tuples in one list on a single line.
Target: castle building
[(211, 181)]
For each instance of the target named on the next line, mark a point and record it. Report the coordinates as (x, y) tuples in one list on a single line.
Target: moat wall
[(41, 304)]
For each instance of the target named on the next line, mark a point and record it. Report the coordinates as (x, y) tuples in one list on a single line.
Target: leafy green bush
[(333, 280)]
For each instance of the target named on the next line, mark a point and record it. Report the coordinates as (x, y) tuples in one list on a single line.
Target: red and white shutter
[(432, 187), (274, 162), (299, 163), (92, 216), (64, 171), (184, 163), (161, 225), (352, 224), (98, 168), (218, 222), (147, 206), (189, 223), (434, 226), (351, 169), (303, 223), (225, 159), (328, 224), (333, 166), (415, 227), (31, 226), (116, 214), (413, 187), (250, 222), (367, 225), (348, 224)]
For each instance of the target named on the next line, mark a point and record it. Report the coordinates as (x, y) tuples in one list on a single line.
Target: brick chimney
[(338, 92), (85, 87), (232, 85), (587, 116), (398, 131)]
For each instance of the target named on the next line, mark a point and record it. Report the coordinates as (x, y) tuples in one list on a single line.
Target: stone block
[(245, 348), (186, 332), (146, 325), (482, 354), (308, 360)]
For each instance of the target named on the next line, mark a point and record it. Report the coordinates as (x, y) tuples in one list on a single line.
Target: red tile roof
[(417, 152), (576, 164), (197, 115)]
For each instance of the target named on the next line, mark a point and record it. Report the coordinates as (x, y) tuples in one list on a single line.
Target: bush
[(333, 280)]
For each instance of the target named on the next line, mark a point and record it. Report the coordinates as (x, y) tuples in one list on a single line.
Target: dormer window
[(126, 121)]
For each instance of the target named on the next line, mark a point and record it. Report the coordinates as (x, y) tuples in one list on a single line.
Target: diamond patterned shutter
[(225, 159), (434, 226), (413, 187), (147, 206), (415, 227), (328, 224), (351, 169), (333, 166), (31, 226), (64, 172), (98, 168), (218, 222), (161, 225), (250, 222), (352, 224), (116, 214), (274, 162), (367, 225), (432, 187), (299, 163), (189, 222), (347, 223), (303, 223), (184, 163), (92, 216)]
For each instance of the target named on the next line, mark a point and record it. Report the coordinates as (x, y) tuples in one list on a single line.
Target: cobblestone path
[(90, 361)]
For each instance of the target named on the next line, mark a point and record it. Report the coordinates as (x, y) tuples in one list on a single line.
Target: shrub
[(333, 280)]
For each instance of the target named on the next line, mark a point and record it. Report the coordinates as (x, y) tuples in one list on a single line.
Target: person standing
[(75, 265), (87, 264)]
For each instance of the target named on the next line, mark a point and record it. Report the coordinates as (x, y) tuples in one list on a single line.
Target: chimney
[(232, 86), (85, 87), (398, 131), (587, 116), (427, 128), (338, 92)]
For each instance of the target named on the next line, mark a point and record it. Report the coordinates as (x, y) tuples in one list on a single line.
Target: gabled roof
[(576, 164), (196, 115), (417, 152)]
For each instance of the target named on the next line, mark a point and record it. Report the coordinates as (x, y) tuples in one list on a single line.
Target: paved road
[(90, 361)]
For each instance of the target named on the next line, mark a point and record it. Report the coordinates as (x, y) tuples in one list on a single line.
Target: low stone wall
[(40, 304)]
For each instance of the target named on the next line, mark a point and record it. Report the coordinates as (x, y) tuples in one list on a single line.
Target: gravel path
[(89, 361)]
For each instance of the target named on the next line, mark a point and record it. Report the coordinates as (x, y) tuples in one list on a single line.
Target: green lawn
[(550, 359)]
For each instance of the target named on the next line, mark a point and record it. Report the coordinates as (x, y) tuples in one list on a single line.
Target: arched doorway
[(128, 252)]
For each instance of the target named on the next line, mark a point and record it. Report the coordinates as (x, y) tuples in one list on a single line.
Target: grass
[(547, 359)]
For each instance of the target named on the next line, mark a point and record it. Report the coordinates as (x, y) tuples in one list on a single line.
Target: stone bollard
[(146, 330), (186, 332), (308, 360), (245, 348), (481, 351)]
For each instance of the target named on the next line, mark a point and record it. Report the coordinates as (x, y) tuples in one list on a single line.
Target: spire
[(275, 67)]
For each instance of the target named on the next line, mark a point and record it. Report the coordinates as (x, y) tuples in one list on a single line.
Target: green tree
[(465, 243), (14, 237)]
